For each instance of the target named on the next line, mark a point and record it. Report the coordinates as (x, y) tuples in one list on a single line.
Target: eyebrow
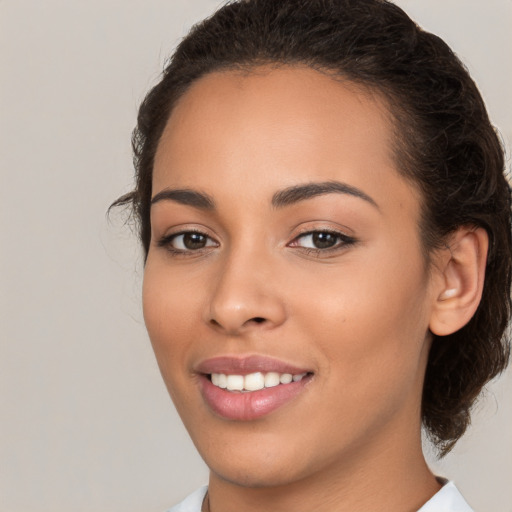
[(281, 199), (298, 193), (187, 197)]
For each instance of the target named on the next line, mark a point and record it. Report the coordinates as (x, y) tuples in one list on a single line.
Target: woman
[(326, 225)]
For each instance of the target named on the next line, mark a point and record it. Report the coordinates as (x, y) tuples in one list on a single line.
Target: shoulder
[(448, 499), (192, 503)]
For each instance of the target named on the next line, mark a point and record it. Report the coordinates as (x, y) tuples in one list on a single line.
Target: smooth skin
[(254, 281)]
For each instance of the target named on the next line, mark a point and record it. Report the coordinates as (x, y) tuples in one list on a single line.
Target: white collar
[(447, 499)]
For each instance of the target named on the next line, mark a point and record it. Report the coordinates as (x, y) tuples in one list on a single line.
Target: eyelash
[(343, 241), (167, 241)]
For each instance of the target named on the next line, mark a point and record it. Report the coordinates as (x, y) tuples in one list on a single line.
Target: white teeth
[(271, 379), (253, 381), (285, 378), (235, 382), (223, 381), (220, 380)]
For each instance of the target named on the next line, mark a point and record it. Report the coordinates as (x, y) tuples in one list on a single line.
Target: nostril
[(233, 325)]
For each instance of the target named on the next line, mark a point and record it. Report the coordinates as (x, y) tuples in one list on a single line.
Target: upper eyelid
[(310, 231), (168, 237), (183, 229), (344, 233), (335, 233)]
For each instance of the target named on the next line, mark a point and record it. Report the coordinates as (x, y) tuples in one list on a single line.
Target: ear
[(461, 280)]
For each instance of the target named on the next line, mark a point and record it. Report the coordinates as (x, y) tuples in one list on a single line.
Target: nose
[(246, 296)]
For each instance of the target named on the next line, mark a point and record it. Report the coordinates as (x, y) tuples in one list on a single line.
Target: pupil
[(324, 240), (194, 241)]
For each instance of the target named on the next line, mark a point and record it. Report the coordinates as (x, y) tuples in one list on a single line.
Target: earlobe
[(459, 289)]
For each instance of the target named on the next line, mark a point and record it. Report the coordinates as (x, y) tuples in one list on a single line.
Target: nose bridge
[(245, 293)]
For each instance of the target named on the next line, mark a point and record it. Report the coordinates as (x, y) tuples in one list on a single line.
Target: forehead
[(282, 108), (271, 128)]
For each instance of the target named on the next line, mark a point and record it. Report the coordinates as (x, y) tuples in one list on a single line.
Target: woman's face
[(285, 247)]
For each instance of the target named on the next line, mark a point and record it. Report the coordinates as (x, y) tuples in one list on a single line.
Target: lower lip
[(234, 405)]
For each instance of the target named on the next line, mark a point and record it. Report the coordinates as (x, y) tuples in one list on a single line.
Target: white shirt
[(448, 499)]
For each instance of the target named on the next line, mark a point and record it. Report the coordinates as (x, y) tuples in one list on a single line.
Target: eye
[(322, 240), (187, 241)]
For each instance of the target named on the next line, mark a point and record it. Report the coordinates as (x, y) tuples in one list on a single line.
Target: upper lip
[(243, 365)]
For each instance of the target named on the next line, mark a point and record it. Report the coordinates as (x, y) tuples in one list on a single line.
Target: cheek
[(171, 314), (370, 321), (170, 311)]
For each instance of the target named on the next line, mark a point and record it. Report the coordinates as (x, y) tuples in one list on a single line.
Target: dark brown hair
[(444, 143)]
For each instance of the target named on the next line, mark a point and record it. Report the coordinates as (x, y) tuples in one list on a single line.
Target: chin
[(249, 476), (259, 462), (263, 467)]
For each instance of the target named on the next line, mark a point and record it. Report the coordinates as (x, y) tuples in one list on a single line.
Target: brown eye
[(188, 241), (194, 241), (324, 240)]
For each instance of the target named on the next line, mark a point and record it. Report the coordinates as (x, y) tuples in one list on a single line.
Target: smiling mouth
[(247, 388), (253, 381)]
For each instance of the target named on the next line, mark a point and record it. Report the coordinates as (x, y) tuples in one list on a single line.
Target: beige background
[(85, 422)]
